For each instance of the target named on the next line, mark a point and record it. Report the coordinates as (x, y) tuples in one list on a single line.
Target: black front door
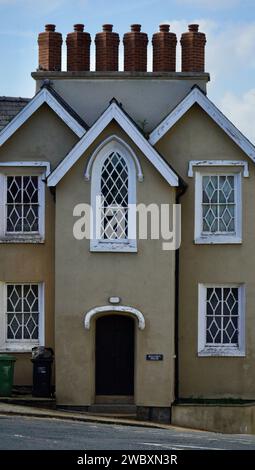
[(115, 355)]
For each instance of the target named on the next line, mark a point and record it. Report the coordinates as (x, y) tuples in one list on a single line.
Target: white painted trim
[(111, 308), (2, 205), (2, 316), (196, 96), (20, 346), (205, 350), (121, 245), (219, 238), (28, 164), (220, 163), (42, 205), (42, 319), (113, 112), (44, 96), (113, 139)]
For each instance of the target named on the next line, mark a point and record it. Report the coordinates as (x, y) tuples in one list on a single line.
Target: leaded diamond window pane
[(222, 315), (22, 204), (114, 194), (22, 312), (218, 204)]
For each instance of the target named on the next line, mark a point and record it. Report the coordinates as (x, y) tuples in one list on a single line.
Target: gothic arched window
[(113, 194)]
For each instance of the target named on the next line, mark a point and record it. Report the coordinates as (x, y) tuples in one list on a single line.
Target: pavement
[(31, 433), (31, 427), (27, 411)]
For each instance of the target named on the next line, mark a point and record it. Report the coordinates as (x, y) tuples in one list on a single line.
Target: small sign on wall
[(154, 357)]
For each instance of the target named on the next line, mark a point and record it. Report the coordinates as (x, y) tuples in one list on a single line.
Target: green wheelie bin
[(6, 374)]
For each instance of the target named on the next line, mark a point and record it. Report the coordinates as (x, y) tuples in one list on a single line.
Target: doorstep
[(118, 410)]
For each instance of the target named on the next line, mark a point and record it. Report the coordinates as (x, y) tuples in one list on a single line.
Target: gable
[(145, 172), (197, 97), (45, 96), (197, 137), (114, 112), (44, 136)]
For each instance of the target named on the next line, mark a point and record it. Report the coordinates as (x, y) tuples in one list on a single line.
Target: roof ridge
[(14, 98)]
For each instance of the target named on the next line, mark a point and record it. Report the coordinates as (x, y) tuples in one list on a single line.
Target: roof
[(10, 107), (196, 96), (114, 112), (45, 96)]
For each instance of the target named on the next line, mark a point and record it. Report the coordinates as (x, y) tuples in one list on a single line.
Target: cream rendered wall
[(144, 280), (197, 137), (43, 137)]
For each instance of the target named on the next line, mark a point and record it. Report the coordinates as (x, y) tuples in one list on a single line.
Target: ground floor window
[(22, 315), (221, 320)]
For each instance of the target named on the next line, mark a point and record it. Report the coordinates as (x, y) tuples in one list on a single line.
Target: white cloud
[(230, 46), (241, 111)]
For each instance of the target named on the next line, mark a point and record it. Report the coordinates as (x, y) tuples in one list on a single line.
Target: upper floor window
[(218, 207), (22, 204), (221, 320), (113, 194), (21, 207)]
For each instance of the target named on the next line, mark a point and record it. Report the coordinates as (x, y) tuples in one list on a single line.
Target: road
[(37, 434)]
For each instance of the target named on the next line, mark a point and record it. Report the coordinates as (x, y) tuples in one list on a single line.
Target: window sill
[(113, 247), (217, 239), (221, 352), (22, 239), (18, 349)]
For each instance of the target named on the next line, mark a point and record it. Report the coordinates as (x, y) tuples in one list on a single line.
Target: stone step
[(113, 409)]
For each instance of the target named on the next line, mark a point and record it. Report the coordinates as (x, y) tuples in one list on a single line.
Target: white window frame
[(121, 245), (220, 350), (21, 345), (219, 238), (22, 170)]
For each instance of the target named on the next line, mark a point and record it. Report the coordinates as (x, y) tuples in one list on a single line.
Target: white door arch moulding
[(110, 308)]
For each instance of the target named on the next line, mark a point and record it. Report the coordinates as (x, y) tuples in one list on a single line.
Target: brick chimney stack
[(164, 50), (107, 49), (193, 50), (135, 50), (78, 49), (50, 44)]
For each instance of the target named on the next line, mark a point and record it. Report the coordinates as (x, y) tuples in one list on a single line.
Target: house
[(130, 318)]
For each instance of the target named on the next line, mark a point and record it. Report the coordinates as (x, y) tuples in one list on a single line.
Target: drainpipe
[(176, 328)]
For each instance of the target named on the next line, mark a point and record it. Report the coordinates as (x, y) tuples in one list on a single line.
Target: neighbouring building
[(129, 321)]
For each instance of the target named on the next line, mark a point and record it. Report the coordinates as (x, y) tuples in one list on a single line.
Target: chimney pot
[(107, 27), (135, 50), (136, 28), (50, 27), (164, 28), (79, 27), (193, 27), (50, 44), (193, 50), (107, 49), (164, 50), (78, 49)]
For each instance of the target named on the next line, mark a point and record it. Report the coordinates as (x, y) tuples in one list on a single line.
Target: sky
[(229, 26)]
